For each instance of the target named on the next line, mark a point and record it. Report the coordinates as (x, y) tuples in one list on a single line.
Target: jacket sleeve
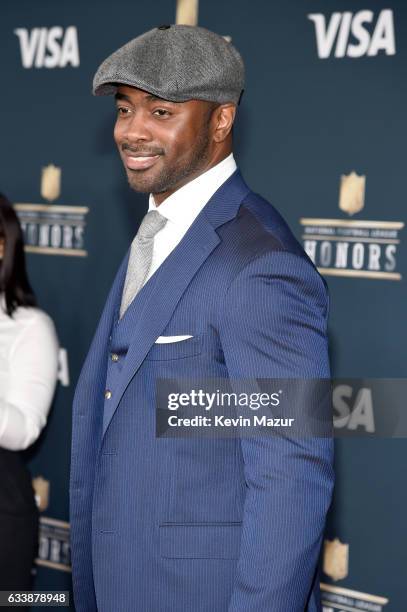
[(273, 325)]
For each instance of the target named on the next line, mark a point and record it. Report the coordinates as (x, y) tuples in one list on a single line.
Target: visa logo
[(48, 47), (352, 34)]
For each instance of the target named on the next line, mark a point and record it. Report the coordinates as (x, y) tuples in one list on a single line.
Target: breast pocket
[(176, 350), (200, 540)]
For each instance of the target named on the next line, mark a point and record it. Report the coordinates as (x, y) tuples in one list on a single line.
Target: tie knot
[(152, 223)]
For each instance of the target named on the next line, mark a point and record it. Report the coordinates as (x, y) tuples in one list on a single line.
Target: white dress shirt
[(28, 374), (183, 206)]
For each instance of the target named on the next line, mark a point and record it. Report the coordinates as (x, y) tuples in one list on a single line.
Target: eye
[(122, 110), (161, 112)]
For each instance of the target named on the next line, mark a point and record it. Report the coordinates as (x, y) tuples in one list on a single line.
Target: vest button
[(114, 357), (108, 394)]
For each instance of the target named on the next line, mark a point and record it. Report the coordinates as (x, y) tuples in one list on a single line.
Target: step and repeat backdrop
[(321, 132)]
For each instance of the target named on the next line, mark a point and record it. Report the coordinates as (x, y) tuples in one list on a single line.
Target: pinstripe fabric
[(219, 525)]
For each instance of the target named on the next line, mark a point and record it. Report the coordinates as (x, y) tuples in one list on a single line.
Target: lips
[(140, 161)]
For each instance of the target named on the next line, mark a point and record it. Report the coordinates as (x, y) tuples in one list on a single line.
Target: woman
[(28, 370)]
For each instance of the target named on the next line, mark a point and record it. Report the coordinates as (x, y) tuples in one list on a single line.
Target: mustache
[(141, 151)]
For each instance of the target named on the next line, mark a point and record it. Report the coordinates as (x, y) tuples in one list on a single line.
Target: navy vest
[(120, 338)]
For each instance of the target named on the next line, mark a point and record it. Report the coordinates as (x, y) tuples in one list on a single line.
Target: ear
[(223, 117)]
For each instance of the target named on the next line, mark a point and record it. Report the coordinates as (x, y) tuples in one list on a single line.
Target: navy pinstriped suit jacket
[(203, 525)]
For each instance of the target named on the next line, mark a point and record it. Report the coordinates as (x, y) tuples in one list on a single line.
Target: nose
[(136, 128)]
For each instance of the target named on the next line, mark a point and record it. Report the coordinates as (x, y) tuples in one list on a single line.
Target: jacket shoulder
[(269, 225), (258, 231)]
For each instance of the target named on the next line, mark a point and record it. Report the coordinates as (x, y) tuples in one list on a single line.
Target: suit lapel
[(171, 280), (168, 285)]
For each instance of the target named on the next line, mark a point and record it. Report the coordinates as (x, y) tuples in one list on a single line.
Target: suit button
[(108, 394), (114, 357)]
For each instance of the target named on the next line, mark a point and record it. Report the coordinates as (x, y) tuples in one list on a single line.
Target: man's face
[(163, 145)]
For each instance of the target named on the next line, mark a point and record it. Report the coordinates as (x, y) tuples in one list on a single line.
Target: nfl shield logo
[(51, 182), (352, 193), (41, 490), (336, 559), (187, 12)]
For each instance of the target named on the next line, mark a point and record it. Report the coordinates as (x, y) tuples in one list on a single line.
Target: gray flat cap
[(177, 63)]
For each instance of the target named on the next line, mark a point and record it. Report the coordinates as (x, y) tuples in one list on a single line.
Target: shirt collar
[(184, 205)]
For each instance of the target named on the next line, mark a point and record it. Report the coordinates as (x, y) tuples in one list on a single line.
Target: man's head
[(176, 89), (163, 144)]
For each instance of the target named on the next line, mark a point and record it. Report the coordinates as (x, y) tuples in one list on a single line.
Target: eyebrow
[(149, 97), (120, 96)]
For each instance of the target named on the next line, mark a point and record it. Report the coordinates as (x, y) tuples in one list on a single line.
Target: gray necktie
[(141, 254)]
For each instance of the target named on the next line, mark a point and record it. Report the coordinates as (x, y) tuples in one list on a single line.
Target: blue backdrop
[(325, 97)]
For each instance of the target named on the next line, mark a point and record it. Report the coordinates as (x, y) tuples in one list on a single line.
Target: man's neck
[(160, 197)]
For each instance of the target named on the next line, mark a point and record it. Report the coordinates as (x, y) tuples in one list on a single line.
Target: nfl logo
[(336, 559), (51, 182), (352, 193)]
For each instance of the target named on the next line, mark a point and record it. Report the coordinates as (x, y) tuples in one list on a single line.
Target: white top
[(183, 206), (28, 374)]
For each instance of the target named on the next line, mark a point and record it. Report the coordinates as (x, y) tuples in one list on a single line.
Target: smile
[(140, 162)]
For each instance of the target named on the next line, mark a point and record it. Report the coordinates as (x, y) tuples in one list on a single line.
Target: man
[(214, 285)]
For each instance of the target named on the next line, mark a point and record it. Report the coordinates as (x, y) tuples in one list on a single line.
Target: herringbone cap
[(177, 63)]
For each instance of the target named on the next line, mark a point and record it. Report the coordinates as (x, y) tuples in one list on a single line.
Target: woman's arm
[(31, 386)]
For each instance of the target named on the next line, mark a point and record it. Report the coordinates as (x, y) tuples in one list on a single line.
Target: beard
[(174, 173)]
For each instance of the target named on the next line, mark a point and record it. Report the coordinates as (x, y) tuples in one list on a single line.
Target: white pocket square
[(166, 339)]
